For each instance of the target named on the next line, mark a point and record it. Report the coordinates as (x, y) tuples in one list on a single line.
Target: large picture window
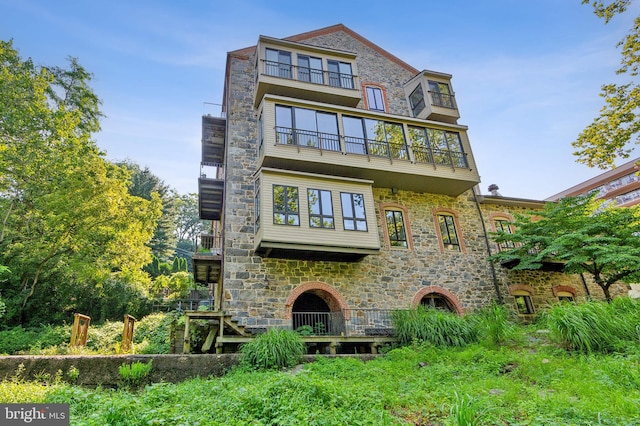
[(353, 212), (320, 209), (286, 209), (307, 127)]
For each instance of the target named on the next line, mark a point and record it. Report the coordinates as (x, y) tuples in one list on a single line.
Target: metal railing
[(308, 138), (443, 100), (440, 156), (209, 244), (310, 75), (346, 322)]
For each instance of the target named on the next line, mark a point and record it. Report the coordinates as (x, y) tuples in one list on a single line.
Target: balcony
[(207, 259), (431, 97), (211, 184), (305, 72), (392, 151)]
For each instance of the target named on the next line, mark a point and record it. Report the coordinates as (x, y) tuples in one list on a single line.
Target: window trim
[(384, 207), (355, 219), (322, 216), (285, 212), (383, 95), (448, 212), (526, 292), (504, 217)]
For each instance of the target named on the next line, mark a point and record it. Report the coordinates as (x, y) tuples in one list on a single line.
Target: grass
[(416, 384)]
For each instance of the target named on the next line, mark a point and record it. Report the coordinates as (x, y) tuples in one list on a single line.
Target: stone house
[(342, 187)]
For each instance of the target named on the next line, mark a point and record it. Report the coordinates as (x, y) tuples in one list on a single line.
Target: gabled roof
[(245, 52), (330, 30)]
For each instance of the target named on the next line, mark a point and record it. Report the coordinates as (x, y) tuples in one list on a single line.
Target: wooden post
[(127, 333), (186, 346), (80, 330)]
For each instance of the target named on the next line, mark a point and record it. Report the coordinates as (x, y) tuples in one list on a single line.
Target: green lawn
[(415, 385)]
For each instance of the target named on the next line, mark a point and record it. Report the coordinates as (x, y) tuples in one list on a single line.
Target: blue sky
[(526, 74)]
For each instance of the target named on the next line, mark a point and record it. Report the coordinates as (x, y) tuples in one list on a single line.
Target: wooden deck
[(226, 336)]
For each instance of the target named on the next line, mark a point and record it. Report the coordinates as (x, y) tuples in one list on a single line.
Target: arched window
[(448, 230), (395, 220), (437, 301)]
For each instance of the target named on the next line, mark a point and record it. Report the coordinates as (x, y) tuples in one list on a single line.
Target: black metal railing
[(310, 75), (346, 322), (443, 100), (443, 157), (209, 244), (308, 138), (355, 145)]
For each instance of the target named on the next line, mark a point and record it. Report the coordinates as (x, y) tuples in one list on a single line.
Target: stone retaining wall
[(102, 370)]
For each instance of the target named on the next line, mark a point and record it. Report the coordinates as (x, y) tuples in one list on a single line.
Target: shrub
[(435, 326), (153, 333), (595, 326), (277, 348), (134, 375), (494, 324)]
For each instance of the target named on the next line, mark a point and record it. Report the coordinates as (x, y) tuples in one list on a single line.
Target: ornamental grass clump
[(434, 326), (595, 326), (495, 325), (275, 349)]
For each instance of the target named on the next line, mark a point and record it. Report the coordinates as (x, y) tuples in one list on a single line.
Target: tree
[(144, 184), (609, 135), (583, 234), (66, 217)]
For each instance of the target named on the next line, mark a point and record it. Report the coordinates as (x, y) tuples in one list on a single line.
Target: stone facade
[(259, 290)]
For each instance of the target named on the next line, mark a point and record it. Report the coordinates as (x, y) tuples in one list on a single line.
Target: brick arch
[(521, 287), (407, 225), (566, 288), (455, 302), (495, 216), (330, 295)]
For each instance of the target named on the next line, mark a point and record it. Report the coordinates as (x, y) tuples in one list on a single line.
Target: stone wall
[(258, 291)]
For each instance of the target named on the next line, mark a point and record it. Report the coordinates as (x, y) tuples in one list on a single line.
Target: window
[(375, 99), (565, 296), (307, 127), (260, 135), (396, 228), (310, 69), (523, 302), (340, 74), (285, 205), (503, 225), (353, 214), (437, 301), (437, 146), (256, 204), (416, 99), (448, 232), (278, 63), (374, 137), (441, 94), (320, 209)]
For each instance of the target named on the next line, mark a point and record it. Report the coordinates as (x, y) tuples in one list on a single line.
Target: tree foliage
[(146, 185), (610, 134), (67, 220), (583, 234)]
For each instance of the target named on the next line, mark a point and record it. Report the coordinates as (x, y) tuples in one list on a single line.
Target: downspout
[(586, 287), (486, 240)]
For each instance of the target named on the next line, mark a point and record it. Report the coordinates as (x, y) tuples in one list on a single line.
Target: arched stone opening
[(438, 297), (317, 308)]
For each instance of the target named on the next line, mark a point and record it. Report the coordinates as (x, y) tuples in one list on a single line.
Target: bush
[(18, 339), (595, 326), (135, 375), (152, 333), (277, 348), (494, 324), (434, 326)]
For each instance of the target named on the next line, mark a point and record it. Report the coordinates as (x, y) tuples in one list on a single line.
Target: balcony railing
[(309, 75), (346, 322), (376, 148), (444, 100), (208, 244)]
